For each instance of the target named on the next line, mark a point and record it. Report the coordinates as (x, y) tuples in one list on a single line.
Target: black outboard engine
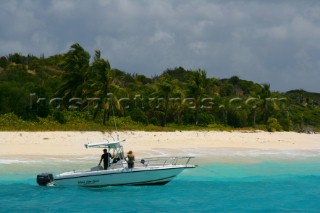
[(44, 178)]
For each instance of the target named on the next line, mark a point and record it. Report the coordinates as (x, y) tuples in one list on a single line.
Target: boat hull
[(117, 177)]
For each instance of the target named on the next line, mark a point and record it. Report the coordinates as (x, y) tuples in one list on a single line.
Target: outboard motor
[(44, 178)]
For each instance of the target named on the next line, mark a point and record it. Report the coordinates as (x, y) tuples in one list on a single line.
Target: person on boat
[(143, 162), (130, 159), (106, 159)]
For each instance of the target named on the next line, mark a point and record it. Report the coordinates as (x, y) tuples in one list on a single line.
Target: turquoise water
[(268, 186)]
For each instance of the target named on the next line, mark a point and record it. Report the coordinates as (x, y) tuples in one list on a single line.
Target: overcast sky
[(265, 41)]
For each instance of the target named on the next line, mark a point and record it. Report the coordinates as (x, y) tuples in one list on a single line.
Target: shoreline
[(207, 146)]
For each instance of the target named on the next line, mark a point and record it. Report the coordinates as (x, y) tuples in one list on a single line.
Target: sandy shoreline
[(210, 144)]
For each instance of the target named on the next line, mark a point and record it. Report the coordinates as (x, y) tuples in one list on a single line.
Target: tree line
[(39, 87)]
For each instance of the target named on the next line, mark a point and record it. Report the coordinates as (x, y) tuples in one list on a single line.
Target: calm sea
[(267, 186)]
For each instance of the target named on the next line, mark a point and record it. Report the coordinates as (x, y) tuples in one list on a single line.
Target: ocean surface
[(270, 185)]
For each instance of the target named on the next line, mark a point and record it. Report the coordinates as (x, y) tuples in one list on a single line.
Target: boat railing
[(163, 161), (154, 161)]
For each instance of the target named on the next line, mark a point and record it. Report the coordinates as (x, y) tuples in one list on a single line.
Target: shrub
[(273, 125), (139, 116), (58, 116), (205, 119)]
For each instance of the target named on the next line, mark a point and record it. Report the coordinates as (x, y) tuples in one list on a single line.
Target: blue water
[(268, 186)]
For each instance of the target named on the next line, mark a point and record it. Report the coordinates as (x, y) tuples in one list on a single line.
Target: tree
[(3, 62), (14, 98), (197, 90), (253, 104), (103, 86), (76, 65), (101, 82), (265, 96), (165, 90), (237, 115)]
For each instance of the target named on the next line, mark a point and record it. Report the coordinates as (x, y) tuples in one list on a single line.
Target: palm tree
[(270, 105), (166, 88), (253, 103), (100, 83), (76, 65), (265, 96), (197, 90), (103, 86)]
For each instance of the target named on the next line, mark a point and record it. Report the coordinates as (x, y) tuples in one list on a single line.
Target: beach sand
[(205, 146)]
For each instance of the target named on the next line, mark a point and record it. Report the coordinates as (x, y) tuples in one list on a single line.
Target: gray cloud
[(276, 42)]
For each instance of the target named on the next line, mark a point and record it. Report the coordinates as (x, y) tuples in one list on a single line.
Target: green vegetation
[(69, 92)]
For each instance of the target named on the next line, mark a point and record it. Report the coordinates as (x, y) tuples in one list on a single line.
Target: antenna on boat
[(114, 117)]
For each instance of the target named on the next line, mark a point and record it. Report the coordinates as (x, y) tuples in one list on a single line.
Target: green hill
[(74, 91)]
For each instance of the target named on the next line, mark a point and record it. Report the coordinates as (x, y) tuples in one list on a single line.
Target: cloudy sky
[(265, 41)]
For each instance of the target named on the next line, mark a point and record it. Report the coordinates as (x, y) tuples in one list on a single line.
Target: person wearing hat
[(142, 161), (106, 159)]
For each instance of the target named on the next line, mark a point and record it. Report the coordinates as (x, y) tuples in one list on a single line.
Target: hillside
[(73, 91)]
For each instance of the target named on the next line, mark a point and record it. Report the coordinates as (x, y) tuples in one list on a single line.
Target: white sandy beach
[(212, 145)]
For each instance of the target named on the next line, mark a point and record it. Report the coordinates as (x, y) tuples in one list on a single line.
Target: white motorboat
[(149, 171)]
